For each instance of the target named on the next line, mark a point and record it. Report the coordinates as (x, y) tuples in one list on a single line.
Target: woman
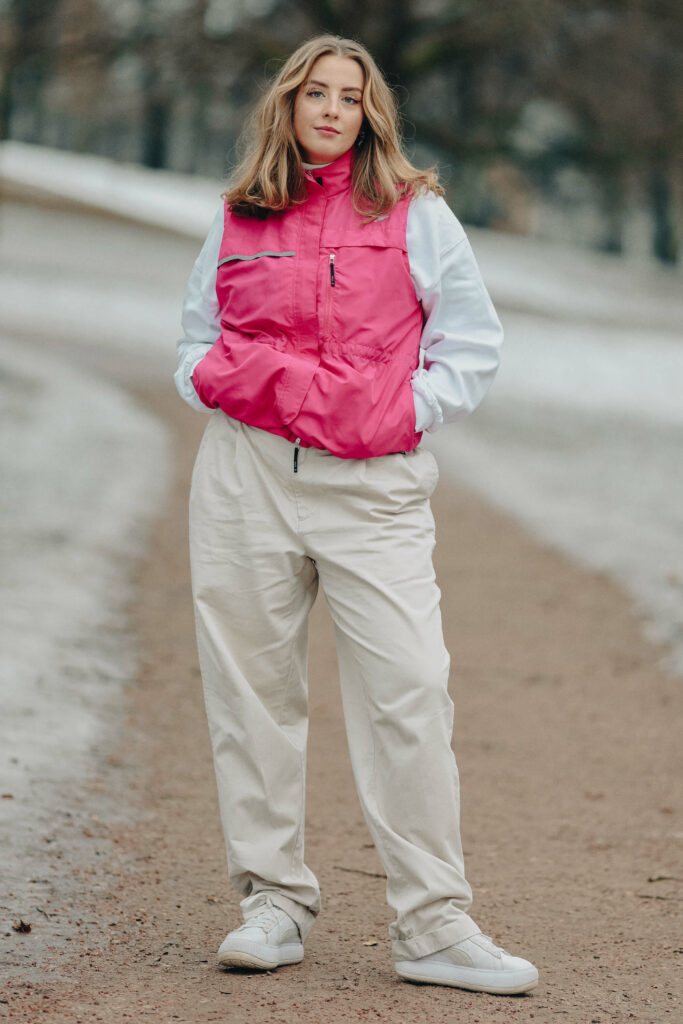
[(334, 314)]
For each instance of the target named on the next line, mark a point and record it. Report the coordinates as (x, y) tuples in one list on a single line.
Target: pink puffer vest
[(320, 324)]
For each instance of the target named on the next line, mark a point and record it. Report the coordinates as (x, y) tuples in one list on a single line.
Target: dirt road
[(568, 757)]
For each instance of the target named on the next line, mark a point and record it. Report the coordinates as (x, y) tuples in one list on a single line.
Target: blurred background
[(555, 118)]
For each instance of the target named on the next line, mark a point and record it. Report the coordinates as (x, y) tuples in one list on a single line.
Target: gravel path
[(567, 758)]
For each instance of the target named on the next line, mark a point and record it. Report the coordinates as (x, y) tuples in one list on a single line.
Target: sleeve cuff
[(428, 414), (185, 383)]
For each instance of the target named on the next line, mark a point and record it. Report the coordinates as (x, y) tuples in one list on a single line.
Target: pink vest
[(320, 324)]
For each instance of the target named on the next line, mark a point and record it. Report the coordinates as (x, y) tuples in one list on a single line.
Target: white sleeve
[(462, 335), (201, 315)]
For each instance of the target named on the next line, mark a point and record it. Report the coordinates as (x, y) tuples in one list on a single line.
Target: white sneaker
[(476, 964), (268, 939)]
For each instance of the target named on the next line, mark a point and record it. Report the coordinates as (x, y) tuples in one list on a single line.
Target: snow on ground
[(83, 470), (552, 280), (581, 437), (159, 198)]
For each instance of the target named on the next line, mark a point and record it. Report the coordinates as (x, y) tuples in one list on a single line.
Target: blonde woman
[(334, 314)]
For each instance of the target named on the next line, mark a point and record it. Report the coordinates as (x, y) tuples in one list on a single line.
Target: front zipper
[(326, 320), (296, 454)]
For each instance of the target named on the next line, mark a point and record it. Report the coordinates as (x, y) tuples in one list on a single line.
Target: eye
[(351, 100), (314, 92)]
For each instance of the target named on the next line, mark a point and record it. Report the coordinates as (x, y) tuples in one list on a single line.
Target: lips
[(327, 131)]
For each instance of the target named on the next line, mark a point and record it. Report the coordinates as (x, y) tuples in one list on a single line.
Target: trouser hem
[(422, 945), (302, 915)]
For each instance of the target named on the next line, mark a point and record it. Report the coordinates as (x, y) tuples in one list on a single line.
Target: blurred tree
[(26, 50), (506, 96), (618, 67), (77, 92)]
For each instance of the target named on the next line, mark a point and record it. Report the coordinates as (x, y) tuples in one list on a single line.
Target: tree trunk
[(665, 244), (155, 131), (612, 204)]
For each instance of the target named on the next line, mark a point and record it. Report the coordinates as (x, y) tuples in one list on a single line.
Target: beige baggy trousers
[(261, 538)]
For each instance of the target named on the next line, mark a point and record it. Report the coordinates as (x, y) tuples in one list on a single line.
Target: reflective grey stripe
[(229, 259)]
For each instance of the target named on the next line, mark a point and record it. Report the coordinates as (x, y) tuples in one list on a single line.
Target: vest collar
[(335, 177)]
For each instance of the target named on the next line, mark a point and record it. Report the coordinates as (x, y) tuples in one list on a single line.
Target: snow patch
[(83, 470), (160, 198)]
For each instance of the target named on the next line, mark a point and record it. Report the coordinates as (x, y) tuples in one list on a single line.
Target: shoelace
[(265, 919), (489, 939)]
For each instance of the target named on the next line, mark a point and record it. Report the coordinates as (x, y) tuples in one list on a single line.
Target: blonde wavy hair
[(271, 174)]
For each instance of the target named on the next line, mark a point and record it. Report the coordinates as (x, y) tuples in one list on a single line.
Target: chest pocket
[(255, 292), (254, 256), (368, 293)]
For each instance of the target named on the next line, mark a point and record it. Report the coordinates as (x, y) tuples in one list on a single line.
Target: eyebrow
[(347, 88)]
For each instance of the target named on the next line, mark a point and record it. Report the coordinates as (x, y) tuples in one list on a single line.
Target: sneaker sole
[(472, 980), (254, 960)]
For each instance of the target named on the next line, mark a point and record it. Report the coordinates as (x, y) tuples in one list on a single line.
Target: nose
[(332, 106)]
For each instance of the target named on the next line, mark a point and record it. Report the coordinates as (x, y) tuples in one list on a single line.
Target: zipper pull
[(332, 270), (296, 454)]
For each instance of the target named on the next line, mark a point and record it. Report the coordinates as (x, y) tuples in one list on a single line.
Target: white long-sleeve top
[(461, 337)]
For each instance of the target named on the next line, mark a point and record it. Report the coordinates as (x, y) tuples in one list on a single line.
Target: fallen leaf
[(369, 942), (8, 796), (21, 926)]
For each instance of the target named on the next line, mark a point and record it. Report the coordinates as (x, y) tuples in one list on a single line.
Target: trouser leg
[(253, 588), (376, 570)]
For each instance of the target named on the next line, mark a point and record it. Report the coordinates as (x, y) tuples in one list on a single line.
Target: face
[(328, 110)]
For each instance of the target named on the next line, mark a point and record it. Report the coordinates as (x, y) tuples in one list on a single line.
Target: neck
[(335, 176)]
